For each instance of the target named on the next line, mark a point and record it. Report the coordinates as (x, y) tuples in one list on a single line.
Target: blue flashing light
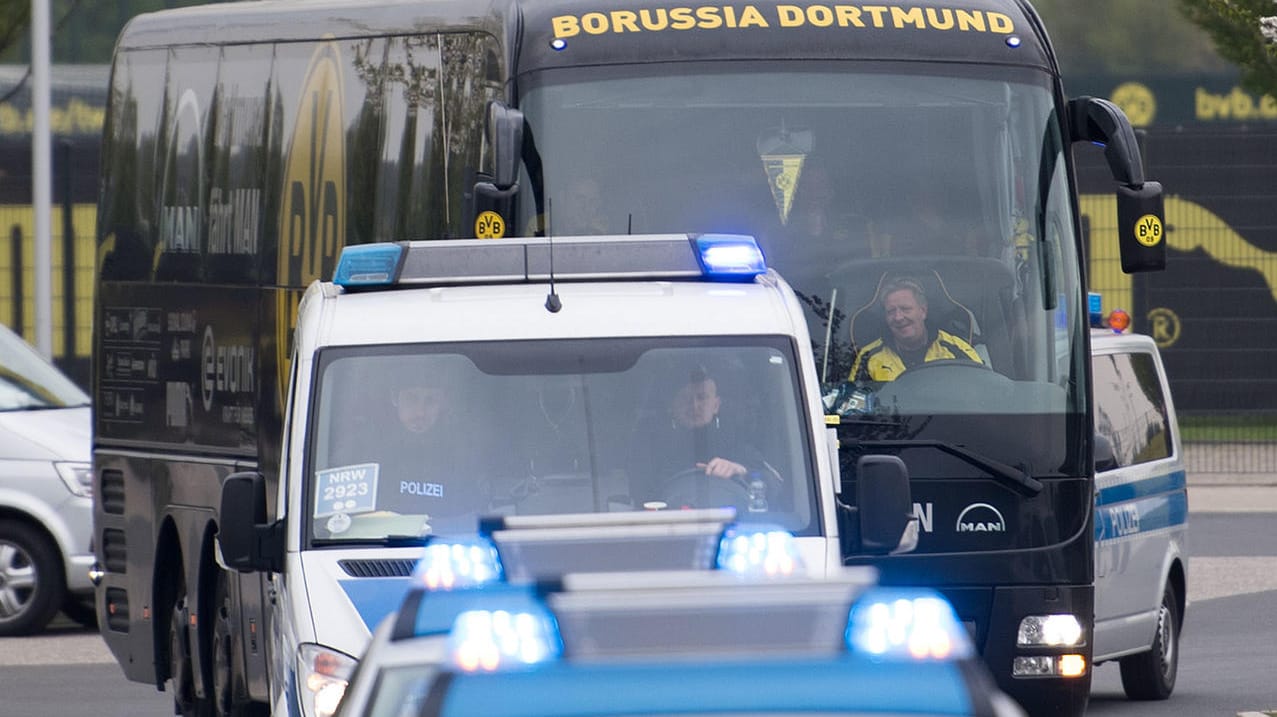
[(500, 640), (1013, 41), (907, 625), (730, 257), (1095, 308), (458, 563), (368, 265), (558, 44), (759, 551)]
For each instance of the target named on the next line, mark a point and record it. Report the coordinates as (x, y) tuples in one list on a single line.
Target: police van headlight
[(1049, 631), (322, 676)]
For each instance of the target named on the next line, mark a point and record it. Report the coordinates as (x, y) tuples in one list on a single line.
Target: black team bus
[(869, 148)]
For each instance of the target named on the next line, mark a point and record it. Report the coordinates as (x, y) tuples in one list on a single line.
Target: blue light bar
[(730, 257), (368, 265), (1095, 308), (913, 625), (492, 640), (458, 563), (759, 551)]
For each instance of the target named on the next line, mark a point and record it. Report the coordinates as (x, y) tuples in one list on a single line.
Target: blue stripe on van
[(1173, 481), (1151, 504), (375, 598)]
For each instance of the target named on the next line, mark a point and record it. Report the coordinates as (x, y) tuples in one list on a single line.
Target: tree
[(1132, 37), (14, 18), (1238, 29)]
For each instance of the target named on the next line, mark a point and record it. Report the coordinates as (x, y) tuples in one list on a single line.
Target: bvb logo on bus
[(312, 206)]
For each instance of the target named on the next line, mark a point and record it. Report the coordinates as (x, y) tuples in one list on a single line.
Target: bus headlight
[(1049, 631), (1049, 666), (322, 676)]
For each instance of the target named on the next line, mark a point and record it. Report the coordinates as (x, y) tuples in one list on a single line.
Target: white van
[(46, 507), (1141, 515)]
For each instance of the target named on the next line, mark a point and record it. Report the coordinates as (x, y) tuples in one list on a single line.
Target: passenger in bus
[(909, 342), (692, 439)]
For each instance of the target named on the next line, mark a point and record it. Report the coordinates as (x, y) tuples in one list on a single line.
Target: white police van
[(1141, 512), (527, 380)]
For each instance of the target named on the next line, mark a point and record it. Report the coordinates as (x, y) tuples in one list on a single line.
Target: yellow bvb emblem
[(1137, 101), (489, 225), (1148, 230)]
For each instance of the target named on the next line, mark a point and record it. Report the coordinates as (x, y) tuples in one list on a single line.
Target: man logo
[(980, 518)]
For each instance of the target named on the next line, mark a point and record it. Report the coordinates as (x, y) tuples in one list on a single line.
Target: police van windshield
[(414, 440), (858, 179)]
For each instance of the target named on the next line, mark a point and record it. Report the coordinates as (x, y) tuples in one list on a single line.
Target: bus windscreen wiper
[(1017, 478)]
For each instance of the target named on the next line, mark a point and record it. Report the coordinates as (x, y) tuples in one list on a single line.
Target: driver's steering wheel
[(691, 488), (945, 363)]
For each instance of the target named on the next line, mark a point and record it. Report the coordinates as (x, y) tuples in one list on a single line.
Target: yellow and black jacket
[(880, 362)]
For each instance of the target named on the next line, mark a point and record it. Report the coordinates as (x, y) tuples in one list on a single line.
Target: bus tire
[(1151, 675), (32, 584), (181, 678), (228, 694)]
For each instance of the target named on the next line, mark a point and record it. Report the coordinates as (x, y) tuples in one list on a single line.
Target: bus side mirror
[(1140, 217), (885, 506), (494, 195), (1105, 459), (246, 542)]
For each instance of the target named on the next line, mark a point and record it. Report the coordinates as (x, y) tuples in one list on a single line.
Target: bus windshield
[(857, 179), (422, 439)]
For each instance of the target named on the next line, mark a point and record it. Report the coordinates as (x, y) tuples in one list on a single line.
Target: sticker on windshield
[(346, 489)]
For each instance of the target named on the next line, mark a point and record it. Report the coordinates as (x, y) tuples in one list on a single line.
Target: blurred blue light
[(491, 640), (1013, 41), (907, 624), (730, 257), (367, 265), (458, 563), (558, 44), (759, 551)]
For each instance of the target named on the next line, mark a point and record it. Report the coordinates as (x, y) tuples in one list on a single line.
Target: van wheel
[(32, 585), (1151, 675)]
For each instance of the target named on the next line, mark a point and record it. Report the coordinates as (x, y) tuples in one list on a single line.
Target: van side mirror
[(1140, 215), (885, 506), (246, 542)]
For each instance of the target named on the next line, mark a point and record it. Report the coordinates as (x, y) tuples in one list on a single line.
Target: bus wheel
[(31, 580), (1151, 675), (181, 677)]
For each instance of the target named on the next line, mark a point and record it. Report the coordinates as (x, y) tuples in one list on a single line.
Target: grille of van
[(378, 568)]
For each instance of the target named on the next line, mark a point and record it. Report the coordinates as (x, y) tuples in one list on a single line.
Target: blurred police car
[(46, 510), (756, 636)]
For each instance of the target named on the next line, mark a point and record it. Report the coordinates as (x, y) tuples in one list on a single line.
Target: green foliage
[(83, 32), (1131, 37), (14, 17), (1234, 26)]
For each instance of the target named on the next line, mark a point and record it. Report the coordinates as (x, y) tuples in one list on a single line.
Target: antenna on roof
[(552, 302)]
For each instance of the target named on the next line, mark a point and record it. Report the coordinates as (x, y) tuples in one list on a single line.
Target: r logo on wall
[(1163, 326)]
